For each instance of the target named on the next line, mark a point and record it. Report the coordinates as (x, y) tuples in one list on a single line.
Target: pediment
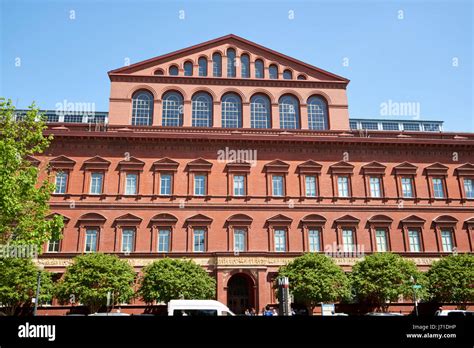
[(96, 162), (341, 167), (199, 219), (61, 162), (279, 219), (165, 164), (220, 45), (413, 219), (309, 167), (347, 219)]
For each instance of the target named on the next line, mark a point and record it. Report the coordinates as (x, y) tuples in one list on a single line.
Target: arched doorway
[(240, 293)]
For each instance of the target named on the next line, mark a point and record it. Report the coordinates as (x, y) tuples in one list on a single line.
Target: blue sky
[(399, 51)]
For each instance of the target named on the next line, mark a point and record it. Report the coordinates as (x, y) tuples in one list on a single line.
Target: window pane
[(381, 240), (280, 240), (469, 188), (414, 240), (314, 240), (230, 62), (259, 69), (131, 184), (287, 75), (174, 70), (127, 240), (163, 240), (165, 184), (347, 240), (142, 108), (289, 112), (343, 186), (202, 66), (188, 69), (438, 189), (259, 111), (61, 182), (245, 68), (375, 190), (317, 114), (199, 239), (172, 115), (96, 183), (91, 241), (199, 185), (239, 188), (310, 183), (273, 72), (217, 65), (53, 246), (447, 240), (277, 185), (407, 188), (231, 111), (239, 240), (201, 110)]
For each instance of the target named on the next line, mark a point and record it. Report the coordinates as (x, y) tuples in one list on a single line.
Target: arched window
[(202, 66), (217, 65), (172, 109), (260, 111), (273, 72), (173, 70), (188, 69), (287, 75), (289, 112), (201, 110), (317, 113), (142, 108), (245, 68), (231, 111), (259, 69), (301, 77), (159, 72), (230, 62)]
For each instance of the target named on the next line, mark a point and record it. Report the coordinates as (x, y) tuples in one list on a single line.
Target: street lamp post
[(38, 287), (414, 294)]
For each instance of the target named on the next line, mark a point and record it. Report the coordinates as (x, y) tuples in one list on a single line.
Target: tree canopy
[(23, 200), (315, 278), (171, 279), (92, 276), (383, 277), (451, 279)]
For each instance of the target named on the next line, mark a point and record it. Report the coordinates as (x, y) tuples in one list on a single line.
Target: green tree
[(171, 279), (91, 276), (18, 282), (24, 201), (383, 277), (451, 279), (315, 278)]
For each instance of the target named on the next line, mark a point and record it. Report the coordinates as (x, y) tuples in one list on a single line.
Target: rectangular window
[(96, 183), (438, 189), (199, 240), (53, 246), (375, 187), (414, 127), (127, 240), (239, 240), (447, 240), (239, 185), (131, 184), (469, 188), (199, 185), (390, 126), (165, 184), (343, 186), (381, 240), (370, 125), (414, 240), (347, 240), (314, 240), (91, 241), (164, 240), (280, 240), (353, 125), (310, 184), (277, 185), (407, 187), (61, 182)]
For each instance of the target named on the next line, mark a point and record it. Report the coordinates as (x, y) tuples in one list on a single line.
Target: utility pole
[(38, 287), (284, 296)]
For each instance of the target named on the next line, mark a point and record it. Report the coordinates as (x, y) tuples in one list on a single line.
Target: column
[(187, 115), (245, 115), (275, 116)]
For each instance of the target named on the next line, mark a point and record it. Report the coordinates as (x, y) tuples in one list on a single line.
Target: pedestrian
[(247, 312), (274, 312), (253, 312), (267, 312)]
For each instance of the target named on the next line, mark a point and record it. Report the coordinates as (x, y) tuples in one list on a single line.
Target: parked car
[(198, 308), (384, 314), (454, 313)]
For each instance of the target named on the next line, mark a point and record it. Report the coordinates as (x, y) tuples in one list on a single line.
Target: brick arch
[(217, 51), (236, 91), (175, 89), (293, 73), (241, 271), (292, 92), (265, 92), (319, 94), (187, 60), (204, 89), (149, 88)]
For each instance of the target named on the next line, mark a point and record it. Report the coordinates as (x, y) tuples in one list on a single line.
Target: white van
[(198, 308)]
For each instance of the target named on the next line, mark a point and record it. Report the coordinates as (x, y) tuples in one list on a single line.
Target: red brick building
[(242, 158)]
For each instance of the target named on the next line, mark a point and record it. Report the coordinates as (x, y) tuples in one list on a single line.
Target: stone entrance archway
[(240, 293)]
